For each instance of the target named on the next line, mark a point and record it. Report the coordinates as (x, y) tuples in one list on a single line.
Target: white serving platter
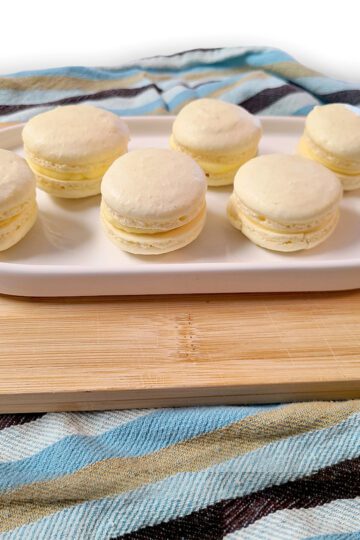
[(68, 254)]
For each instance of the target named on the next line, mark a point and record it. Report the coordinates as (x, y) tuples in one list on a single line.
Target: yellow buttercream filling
[(212, 167), (260, 225), (19, 210), (306, 151), (91, 173), (23, 212), (110, 218), (217, 166), (237, 217), (7, 221)]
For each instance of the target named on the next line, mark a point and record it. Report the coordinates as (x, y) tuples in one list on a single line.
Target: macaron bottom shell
[(148, 226), (349, 182), (154, 243), (12, 230), (218, 170), (346, 172), (68, 189), (67, 182), (281, 241)]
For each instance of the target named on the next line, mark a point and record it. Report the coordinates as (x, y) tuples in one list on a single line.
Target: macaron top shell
[(336, 129), (287, 189), (154, 184), (214, 126), (17, 182), (75, 135)]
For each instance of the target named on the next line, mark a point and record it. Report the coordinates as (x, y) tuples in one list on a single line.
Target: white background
[(324, 35)]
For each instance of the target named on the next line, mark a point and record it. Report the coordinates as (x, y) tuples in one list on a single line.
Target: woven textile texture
[(261, 472), (263, 80), (206, 473)]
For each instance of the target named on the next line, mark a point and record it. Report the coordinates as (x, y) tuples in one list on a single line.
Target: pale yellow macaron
[(18, 209), (153, 201), (332, 137), (70, 148), (285, 203), (219, 136)]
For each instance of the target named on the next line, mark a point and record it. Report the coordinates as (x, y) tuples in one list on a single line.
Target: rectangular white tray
[(68, 254)]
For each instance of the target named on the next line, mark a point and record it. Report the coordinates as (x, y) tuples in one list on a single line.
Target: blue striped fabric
[(136, 438), (260, 472), (263, 80), (183, 493), (310, 448)]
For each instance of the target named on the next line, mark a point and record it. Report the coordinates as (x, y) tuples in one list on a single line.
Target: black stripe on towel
[(8, 420), (267, 97), (340, 481)]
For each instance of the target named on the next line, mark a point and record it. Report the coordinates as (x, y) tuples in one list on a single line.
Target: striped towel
[(257, 472), (267, 472), (263, 80)]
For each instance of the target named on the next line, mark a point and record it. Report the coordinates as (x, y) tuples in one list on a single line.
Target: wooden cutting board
[(102, 353)]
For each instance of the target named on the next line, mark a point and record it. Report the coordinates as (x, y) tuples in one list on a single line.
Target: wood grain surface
[(102, 353), (99, 353)]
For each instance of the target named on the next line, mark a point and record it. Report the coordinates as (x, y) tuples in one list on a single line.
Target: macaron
[(153, 201), (332, 137), (70, 148), (285, 203), (18, 209), (219, 136)]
